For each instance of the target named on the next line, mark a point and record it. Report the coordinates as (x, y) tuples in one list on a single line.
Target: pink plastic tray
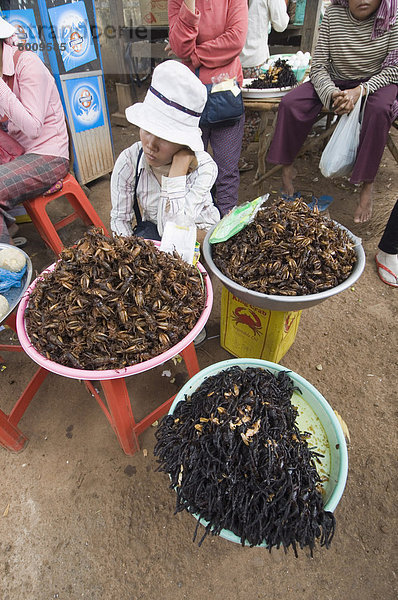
[(111, 373)]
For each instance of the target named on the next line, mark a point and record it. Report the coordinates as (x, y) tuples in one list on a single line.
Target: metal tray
[(285, 303), (15, 294), (263, 93)]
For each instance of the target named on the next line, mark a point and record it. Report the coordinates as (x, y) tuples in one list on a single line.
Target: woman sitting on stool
[(31, 107)]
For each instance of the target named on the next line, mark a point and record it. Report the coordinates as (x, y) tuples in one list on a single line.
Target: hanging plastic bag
[(340, 153), (9, 279), (179, 237)]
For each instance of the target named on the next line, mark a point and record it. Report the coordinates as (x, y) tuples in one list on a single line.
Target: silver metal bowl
[(15, 294), (285, 303)]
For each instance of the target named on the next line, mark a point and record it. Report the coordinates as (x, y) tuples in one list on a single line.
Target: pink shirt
[(34, 110), (212, 38)]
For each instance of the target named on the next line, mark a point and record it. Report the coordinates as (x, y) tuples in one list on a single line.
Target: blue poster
[(73, 34), (85, 102), (26, 29)]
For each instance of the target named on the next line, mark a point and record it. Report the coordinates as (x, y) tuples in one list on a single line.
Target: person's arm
[(28, 113), (184, 26), (278, 16), (319, 74), (186, 195), (344, 101), (122, 191), (181, 162), (389, 69)]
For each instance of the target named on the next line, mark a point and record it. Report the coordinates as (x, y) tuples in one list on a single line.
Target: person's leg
[(226, 143), (252, 119), (252, 122), (24, 178), (374, 133), (297, 113), (387, 255)]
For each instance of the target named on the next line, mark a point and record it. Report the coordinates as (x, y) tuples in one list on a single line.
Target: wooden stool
[(117, 406), (11, 437), (82, 208)]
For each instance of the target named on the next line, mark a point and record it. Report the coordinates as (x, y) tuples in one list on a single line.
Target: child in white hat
[(167, 171)]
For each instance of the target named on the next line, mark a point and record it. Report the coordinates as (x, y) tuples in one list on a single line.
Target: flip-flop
[(323, 202), (381, 268), (20, 241), (245, 166), (290, 198)]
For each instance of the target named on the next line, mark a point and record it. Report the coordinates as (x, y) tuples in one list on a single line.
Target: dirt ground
[(80, 519)]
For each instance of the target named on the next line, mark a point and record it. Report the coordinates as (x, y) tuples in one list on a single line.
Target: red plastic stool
[(82, 208), (11, 437)]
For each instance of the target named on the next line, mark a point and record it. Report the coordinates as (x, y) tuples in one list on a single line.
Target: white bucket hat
[(6, 29), (172, 106)]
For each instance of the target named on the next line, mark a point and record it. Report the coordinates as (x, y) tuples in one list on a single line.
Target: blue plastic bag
[(9, 279)]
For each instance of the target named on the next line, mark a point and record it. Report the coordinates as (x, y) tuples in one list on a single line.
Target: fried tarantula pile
[(279, 75), (111, 303), (237, 459)]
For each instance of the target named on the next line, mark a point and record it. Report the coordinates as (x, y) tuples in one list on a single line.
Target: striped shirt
[(188, 195), (345, 51)]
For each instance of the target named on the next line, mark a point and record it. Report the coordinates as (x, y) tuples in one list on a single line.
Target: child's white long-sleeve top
[(187, 195)]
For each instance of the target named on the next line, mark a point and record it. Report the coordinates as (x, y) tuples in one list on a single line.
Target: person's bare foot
[(365, 205), (288, 174)]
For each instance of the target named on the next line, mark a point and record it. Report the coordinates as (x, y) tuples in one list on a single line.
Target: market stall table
[(118, 406), (268, 109)]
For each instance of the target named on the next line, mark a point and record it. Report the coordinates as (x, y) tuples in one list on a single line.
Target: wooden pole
[(309, 32)]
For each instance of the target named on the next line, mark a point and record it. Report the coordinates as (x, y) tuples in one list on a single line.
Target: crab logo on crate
[(73, 34), (85, 102), (245, 316)]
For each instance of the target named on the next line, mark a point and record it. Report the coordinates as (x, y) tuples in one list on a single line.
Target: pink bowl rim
[(90, 375)]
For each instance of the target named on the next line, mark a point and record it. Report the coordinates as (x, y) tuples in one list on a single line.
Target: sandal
[(323, 202), (381, 268), (20, 241), (290, 198), (55, 188), (244, 166)]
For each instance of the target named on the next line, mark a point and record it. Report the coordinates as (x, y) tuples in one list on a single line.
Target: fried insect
[(288, 250), (111, 303), (279, 75), (237, 459)]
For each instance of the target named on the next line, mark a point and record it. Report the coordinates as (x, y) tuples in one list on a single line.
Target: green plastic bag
[(238, 218)]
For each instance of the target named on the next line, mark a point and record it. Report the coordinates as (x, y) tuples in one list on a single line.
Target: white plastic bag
[(180, 237), (339, 155)]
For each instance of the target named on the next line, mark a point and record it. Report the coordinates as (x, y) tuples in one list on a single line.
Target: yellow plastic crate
[(247, 331)]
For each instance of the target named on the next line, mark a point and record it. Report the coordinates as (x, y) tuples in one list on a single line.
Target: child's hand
[(181, 162)]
